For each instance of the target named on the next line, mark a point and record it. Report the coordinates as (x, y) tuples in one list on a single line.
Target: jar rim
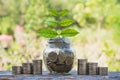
[(59, 40)]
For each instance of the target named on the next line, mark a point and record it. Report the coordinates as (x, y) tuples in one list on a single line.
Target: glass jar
[(59, 55)]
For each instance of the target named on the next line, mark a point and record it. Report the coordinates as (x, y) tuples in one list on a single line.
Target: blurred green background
[(98, 22)]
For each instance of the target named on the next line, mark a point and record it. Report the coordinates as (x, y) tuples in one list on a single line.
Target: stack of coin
[(102, 71), (37, 66), (82, 66), (17, 69), (27, 68), (92, 68)]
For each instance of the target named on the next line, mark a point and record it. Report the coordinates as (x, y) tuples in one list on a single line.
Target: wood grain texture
[(7, 75)]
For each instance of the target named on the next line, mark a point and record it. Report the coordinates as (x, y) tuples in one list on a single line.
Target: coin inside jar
[(69, 60), (52, 66), (61, 58), (52, 56)]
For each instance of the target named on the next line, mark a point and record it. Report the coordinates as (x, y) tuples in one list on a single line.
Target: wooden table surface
[(7, 75)]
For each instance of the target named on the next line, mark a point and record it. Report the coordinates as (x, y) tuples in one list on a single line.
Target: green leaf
[(48, 33), (69, 32), (66, 22), (63, 13), (53, 12), (51, 23)]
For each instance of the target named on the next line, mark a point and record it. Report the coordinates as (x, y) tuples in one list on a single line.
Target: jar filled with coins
[(59, 55)]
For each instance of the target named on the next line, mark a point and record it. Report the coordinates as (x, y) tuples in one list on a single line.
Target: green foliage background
[(98, 22)]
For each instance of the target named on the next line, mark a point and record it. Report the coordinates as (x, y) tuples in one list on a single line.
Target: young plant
[(58, 25)]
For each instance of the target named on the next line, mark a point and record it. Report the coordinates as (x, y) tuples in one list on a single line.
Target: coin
[(82, 66), (52, 66), (61, 57), (37, 66), (17, 69), (102, 70), (52, 56), (27, 68), (69, 60), (92, 68)]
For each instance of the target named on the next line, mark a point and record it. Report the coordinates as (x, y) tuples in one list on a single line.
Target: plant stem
[(58, 27), (58, 31)]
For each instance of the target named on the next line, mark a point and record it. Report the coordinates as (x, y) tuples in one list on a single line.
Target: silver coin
[(82, 66), (17, 69), (37, 66), (92, 68), (27, 68)]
